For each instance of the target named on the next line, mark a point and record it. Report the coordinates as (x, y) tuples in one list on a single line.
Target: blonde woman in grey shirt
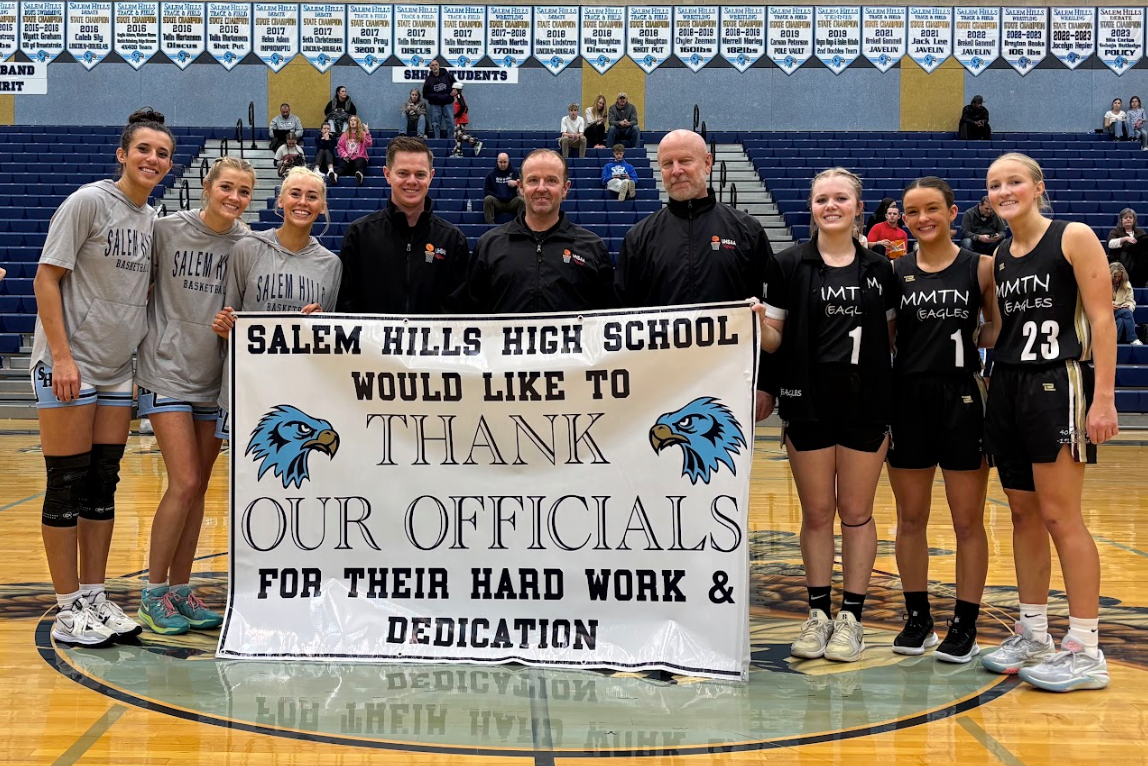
[(180, 369), (91, 293)]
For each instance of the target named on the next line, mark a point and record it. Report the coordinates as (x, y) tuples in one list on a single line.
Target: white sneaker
[(1138, 342), (848, 639), (1068, 670), (815, 633), (114, 619), (79, 625), (145, 426), (1018, 651)]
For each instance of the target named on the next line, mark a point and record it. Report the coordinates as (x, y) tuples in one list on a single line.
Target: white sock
[(65, 600), (1087, 633), (92, 592), (155, 587), (1035, 618)]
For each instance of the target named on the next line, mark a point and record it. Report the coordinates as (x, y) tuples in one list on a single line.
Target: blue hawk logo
[(370, 60), (283, 439), (509, 62), (708, 433), (416, 60), (463, 61), (1120, 62), (183, 56)]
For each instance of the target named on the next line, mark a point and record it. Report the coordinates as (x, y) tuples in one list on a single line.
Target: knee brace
[(99, 501), (66, 478)]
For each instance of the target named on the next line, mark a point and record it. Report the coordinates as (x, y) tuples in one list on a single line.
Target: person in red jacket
[(887, 237), (461, 121)]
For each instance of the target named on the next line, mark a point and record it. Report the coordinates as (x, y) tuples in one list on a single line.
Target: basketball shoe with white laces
[(1068, 670), (114, 618), (848, 640), (1018, 651), (815, 633), (80, 625)]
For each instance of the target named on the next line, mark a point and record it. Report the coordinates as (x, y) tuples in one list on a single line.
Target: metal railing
[(184, 196), (251, 122), (203, 166), (239, 136)]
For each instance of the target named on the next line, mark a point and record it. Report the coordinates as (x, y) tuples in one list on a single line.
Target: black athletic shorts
[(1033, 411), (841, 409), (938, 420)]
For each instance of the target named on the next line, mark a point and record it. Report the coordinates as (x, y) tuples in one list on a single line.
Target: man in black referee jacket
[(696, 249)]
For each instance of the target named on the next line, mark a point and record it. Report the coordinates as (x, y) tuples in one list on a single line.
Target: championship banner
[(369, 30), (183, 32), (883, 36), (1073, 34), (276, 33), (695, 35), (416, 34), (463, 35), (486, 490), (228, 32), (837, 36), (649, 35), (509, 35), (555, 36), (89, 32), (790, 36), (42, 30), (137, 32), (603, 36), (1024, 37), (977, 32), (9, 23), (475, 75), (1120, 37), (742, 35), (930, 36), (323, 34)]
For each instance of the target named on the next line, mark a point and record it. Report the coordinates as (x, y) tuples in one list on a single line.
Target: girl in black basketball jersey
[(1044, 419), (938, 415), (829, 310)]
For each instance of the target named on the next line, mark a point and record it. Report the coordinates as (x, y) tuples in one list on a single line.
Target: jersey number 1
[(1050, 349)]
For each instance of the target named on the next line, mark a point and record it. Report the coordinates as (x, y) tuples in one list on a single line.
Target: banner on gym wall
[(24, 79), (137, 32), (369, 34), (930, 36), (9, 24), (183, 32), (790, 36), (649, 35), (416, 34), (323, 34), (89, 32), (742, 35), (1024, 37), (475, 75), (603, 36), (977, 33), (555, 36), (276, 39), (1072, 34), (837, 35), (695, 35), (510, 35), (463, 35), (1120, 37), (883, 36), (536, 489), (228, 32)]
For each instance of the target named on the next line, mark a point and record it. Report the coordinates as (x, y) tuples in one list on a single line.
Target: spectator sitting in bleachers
[(879, 213), (975, 121), (353, 146), (461, 122), (981, 228), (887, 238), (412, 109), (1126, 240), (619, 176), (859, 233), (572, 132), (623, 119), (282, 124), (325, 148), (501, 190), (289, 155), (596, 118), (1138, 122), (339, 109), (1116, 121), (1123, 305)]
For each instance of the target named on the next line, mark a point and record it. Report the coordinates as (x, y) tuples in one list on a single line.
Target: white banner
[(183, 32), (42, 30), (228, 32), (1024, 37), (535, 489), (1072, 34), (25, 79), (742, 35), (276, 39), (369, 30), (603, 35), (1120, 37), (475, 75), (463, 35), (555, 36), (416, 34), (790, 36), (649, 35), (89, 32), (930, 36), (977, 32), (322, 34), (9, 24), (137, 31), (837, 36), (695, 34), (883, 36), (510, 35)]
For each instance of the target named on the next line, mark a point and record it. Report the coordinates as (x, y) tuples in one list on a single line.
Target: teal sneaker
[(159, 614), (198, 616)]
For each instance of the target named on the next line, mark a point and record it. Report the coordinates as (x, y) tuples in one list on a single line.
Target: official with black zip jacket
[(403, 259), (540, 261)]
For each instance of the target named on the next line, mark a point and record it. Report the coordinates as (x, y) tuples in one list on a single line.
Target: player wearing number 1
[(1047, 411)]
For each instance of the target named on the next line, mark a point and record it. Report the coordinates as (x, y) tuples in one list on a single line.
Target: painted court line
[(1121, 546), (996, 748), (21, 502), (91, 736)]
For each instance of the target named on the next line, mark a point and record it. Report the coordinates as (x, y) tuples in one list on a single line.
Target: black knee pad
[(99, 501), (66, 479)]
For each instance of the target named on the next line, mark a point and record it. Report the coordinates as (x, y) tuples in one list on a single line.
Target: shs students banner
[(545, 489)]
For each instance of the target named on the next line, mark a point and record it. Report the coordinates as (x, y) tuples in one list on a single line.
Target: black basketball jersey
[(839, 327), (1041, 313), (937, 316)]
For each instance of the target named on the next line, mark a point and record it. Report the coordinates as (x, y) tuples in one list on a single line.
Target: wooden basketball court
[(168, 700)]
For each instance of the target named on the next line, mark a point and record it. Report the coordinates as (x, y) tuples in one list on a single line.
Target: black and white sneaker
[(960, 644), (114, 619), (917, 636), (79, 625)]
